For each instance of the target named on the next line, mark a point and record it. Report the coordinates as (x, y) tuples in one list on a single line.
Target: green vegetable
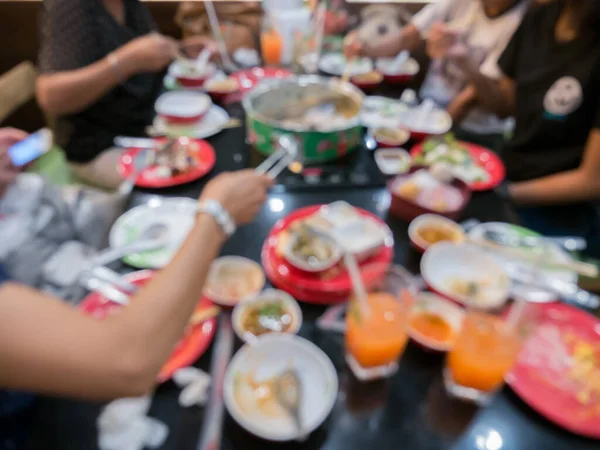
[(271, 310)]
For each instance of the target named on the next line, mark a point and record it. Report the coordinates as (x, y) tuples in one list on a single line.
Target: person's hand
[(192, 46), (150, 53), (8, 172), (352, 45), (459, 54), (242, 193), (440, 40)]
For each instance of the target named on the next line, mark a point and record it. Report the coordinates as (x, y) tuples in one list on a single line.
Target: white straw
[(357, 283), (216, 31), (320, 27)]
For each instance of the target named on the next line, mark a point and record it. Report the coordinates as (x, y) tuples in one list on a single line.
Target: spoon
[(289, 395), (203, 58), (151, 238)]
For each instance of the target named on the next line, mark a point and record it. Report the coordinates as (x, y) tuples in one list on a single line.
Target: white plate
[(184, 104), (335, 64), (268, 357), (288, 301), (178, 214), (210, 125), (444, 262), (381, 112), (530, 294)]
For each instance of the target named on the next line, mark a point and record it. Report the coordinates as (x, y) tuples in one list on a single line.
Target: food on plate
[(226, 85), (368, 78), (585, 369), (434, 233), (256, 395), (423, 189), (449, 153), (311, 248), (234, 281), (475, 290), (172, 158), (432, 326), (266, 316), (391, 136)]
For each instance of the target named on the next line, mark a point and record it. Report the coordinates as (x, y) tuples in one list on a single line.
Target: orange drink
[(271, 45), (483, 354), (378, 337)]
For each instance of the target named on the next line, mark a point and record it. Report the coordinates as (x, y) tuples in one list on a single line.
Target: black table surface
[(410, 410)]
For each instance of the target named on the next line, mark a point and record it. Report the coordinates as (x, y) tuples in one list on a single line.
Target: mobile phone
[(30, 148)]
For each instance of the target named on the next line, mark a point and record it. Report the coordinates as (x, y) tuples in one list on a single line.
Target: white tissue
[(194, 383), (124, 425)]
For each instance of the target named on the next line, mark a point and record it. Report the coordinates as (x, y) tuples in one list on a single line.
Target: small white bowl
[(426, 220), (235, 263), (179, 70), (183, 106), (393, 161), (267, 296), (386, 67), (427, 302), (296, 261), (265, 359), (445, 262)]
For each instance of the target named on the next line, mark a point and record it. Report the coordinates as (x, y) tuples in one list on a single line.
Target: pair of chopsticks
[(284, 156)]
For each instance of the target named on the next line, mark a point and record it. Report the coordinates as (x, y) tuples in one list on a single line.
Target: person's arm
[(70, 91), (460, 105), (581, 184), (47, 346)]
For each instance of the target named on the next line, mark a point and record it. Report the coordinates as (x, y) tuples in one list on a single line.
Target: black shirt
[(77, 33), (558, 95)]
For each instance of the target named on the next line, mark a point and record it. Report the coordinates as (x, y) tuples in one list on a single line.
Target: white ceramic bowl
[(428, 302), (268, 357), (445, 262), (427, 220), (296, 261), (393, 161), (438, 123), (179, 70), (183, 106), (386, 67), (234, 263), (290, 305)]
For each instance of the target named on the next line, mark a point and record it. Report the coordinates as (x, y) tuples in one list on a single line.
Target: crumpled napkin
[(125, 425), (194, 384)]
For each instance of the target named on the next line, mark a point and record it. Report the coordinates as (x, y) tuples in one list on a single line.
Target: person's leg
[(102, 171)]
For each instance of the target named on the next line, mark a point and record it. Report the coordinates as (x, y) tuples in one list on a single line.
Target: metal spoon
[(289, 395), (151, 238), (570, 243)]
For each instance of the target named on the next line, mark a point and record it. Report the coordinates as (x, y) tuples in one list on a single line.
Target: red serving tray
[(192, 346), (485, 158), (541, 375), (311, 287), (205, 156)]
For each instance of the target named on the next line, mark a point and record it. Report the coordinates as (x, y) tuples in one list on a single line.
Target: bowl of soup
[(218, 89), (390, 137), (367, 81), (394, 74), (182, 107), (233, 279), (188, 74)]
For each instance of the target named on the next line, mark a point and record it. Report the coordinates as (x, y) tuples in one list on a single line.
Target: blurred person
[(484, 28), (240, 22), (102, 65), (50, 347), (551, 84)]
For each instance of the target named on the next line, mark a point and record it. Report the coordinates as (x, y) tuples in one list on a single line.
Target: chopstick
[(204, 314)]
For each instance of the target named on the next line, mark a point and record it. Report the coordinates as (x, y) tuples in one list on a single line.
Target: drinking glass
[(376, 336), (485, 351), (271, 42)]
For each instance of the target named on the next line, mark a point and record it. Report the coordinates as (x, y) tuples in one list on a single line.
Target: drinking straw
[(357, 283), (216, 31), (320, 27)]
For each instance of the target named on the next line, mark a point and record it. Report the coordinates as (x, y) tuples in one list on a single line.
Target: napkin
[(194, 383), (124, 425)]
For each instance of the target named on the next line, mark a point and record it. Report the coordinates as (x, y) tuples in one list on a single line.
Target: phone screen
[(30, 148)]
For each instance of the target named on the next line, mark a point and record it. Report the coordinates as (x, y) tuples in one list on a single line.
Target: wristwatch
[(220, 214)]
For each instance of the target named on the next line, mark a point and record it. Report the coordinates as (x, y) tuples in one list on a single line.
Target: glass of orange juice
[(484, 352), (271, 42), (376, 334)]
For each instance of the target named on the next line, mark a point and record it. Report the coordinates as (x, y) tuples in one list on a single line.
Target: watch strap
[(219, 214)]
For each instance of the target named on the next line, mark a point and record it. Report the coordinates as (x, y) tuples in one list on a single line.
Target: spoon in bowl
[(289, 395)]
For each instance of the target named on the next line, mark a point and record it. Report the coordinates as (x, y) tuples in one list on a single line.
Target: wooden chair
[(17, 87)]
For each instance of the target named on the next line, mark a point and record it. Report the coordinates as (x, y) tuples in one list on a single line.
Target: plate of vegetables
[(477, 166)]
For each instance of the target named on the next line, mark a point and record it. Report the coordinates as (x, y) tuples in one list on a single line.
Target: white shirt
[(486, 38)]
